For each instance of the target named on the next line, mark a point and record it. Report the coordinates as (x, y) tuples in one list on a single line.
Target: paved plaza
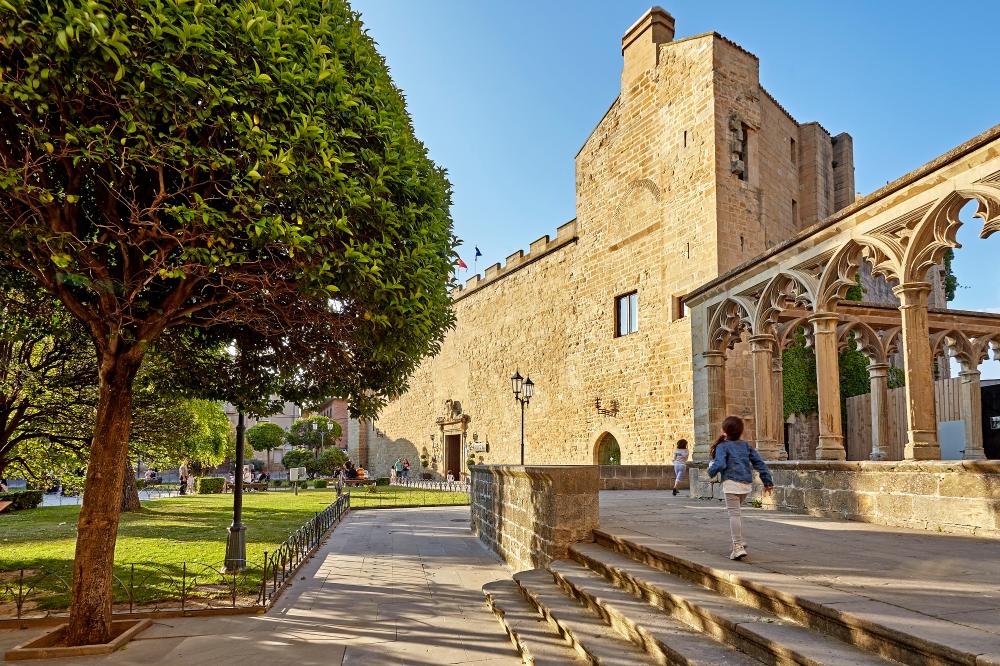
[(391, 586), (403, 586)]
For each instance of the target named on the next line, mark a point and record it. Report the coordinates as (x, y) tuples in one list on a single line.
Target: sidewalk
[(946, 578), (391, 586)]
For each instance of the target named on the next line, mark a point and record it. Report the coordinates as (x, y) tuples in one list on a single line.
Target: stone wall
[(659, 212), (961, 497), (529, 516), (639, 477)]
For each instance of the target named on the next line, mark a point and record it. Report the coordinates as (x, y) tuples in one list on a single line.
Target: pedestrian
[(406, 468), (183, 474), (190, 484), (734, 460), (398, 467), (680, 462)]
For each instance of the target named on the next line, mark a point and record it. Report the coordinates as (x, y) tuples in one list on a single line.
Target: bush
[(277, 484), (22, 499), (140, 483), (303, 484), (382, 481), (329, 461), (300, 458), (209, 485), (319, 483)]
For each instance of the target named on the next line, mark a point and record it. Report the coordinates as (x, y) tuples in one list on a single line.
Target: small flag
[(462, 264), (478, 253)]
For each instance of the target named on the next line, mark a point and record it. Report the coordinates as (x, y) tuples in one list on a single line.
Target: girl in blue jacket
[(735, 460)]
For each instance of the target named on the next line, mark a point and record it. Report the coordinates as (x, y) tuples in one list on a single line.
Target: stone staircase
[(620, 601)]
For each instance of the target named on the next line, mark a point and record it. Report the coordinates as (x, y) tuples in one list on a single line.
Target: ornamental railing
[(282, 563), (185, 587)]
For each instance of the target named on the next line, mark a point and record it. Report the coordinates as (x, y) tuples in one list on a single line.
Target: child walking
[(680, 462), (735, 460)]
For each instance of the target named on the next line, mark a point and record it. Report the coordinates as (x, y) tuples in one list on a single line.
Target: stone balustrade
[(530, 515), (639, 477), (961, 496)]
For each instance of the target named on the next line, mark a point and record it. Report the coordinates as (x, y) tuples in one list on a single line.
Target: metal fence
[(150, 587), (284, 561), (409, 493)]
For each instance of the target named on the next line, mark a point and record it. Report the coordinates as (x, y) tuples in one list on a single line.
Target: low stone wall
[(959, 497), (530, 515), (639, 477)]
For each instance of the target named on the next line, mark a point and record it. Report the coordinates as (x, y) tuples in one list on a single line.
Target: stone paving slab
[(391, 586), (947, 585)]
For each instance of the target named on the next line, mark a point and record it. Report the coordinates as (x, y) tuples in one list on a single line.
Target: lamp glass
[(529, 388), (515, 382)]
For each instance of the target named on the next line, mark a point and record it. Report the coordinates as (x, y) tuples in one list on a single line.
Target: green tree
[(314, 432), (330, 460), (266, 437), (300, 458), (244, 166)]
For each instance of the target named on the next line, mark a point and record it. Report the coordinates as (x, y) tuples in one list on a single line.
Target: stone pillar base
[(530, 515)]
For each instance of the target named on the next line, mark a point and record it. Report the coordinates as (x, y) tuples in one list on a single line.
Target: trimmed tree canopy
[(246, 169), (243, 163)]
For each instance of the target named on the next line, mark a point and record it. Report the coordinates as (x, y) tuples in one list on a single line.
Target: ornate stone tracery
[(803, 284)]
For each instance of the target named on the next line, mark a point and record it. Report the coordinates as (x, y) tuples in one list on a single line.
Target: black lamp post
[(322, 433), (236, 544), (523, 390)]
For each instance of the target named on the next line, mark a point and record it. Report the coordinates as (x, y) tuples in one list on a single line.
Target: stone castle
[(694, 170)]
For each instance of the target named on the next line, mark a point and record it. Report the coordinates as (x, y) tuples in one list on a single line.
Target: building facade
[(694, 170)]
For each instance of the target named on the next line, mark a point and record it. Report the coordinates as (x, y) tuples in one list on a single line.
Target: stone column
[(921, 413), (879, 373), (777, 377), (831, 434), (972, 412), (715, 369), (762, 348)]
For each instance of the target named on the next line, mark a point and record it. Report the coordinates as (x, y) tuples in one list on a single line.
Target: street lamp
[(322, 431), (523, 390), (236, 544)]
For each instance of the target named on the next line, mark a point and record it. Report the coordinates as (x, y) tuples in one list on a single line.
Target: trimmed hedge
[(22, 499), (319, 483), (277, 483), (209, 485), (303, 484), (382, 481)]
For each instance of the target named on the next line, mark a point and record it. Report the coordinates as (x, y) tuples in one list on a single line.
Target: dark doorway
[(453, 455), (991, 421), (608, 451)]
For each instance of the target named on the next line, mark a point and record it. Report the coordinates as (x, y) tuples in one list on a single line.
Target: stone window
[(793, 152), (626, 314), (795, 213), (677, 308)]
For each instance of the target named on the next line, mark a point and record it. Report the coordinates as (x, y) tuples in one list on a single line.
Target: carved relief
[(728, 323)]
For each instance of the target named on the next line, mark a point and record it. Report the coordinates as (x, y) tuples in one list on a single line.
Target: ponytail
[(732, 430)]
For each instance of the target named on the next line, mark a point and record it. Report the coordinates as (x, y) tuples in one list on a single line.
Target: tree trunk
[(130, 491), (97, 528)]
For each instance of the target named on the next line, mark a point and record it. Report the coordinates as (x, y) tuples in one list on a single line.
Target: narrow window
[(689, 250), (685, 138), (794, 153), (626, 314), (678, 309), (745, 152), (795, 213)]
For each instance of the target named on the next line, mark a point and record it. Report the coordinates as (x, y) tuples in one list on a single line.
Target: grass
[(171, 531)]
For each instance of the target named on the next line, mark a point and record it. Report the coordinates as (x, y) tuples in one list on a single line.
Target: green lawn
[(176, 530)]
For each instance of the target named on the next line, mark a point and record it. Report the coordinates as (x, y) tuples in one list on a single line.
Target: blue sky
[(505, 93)]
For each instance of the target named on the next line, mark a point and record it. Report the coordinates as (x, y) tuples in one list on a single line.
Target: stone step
[(533, 637), (889, 631), (667, 640), (592, 639), (766, 637)]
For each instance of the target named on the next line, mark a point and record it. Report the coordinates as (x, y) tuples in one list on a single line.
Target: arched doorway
[(607, 451)]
